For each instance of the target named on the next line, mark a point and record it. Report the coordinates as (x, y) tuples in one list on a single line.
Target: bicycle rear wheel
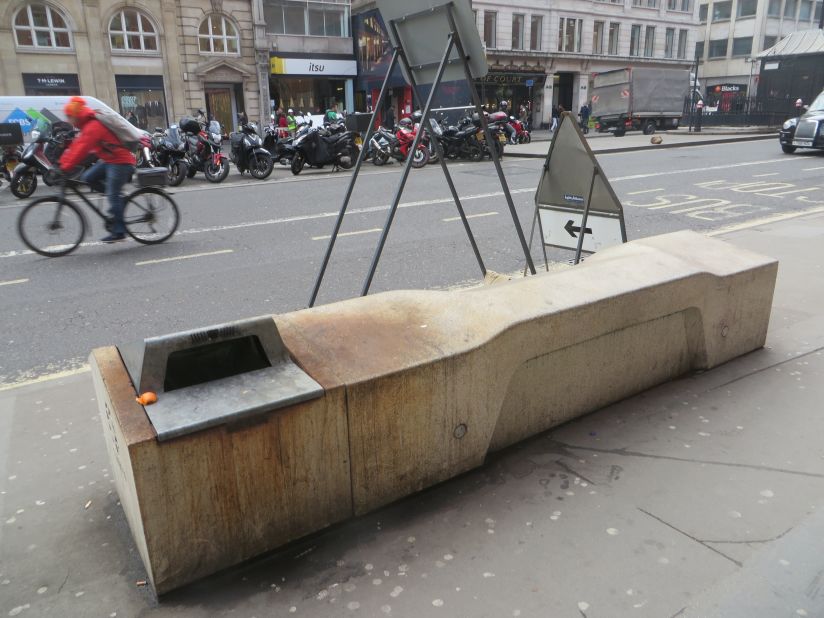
[(51, 226), (150, 215)]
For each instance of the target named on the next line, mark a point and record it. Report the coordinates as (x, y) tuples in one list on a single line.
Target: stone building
[(160, 59), (544, 53)]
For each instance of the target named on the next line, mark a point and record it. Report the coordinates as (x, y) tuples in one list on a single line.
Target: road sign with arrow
[(575, 206)]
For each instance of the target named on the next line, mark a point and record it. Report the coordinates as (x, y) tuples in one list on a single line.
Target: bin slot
[(213, 361)]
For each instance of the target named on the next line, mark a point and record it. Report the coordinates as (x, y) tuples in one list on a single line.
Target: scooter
[(317, 147), (248, 153), (40, 157), (169, 150)]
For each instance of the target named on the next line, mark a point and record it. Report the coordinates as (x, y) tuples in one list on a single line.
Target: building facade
[(160, 59), (735, 32), (542, 54)]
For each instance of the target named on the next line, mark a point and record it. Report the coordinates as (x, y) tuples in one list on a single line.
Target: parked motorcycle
[(248, 153), (10, 156), (522, 136), (386, 145), (168, 149), (203, 149), (319, 147), (459, 141), (41, 156)]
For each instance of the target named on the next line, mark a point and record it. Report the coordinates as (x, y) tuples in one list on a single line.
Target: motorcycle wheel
[(217, 173), (261, 166), (23, 185), (48, 178), (433, 153), (474, 152), (190, 173), (297, 163), (177, 172), (527, 138), (420, 158), (380, 158)]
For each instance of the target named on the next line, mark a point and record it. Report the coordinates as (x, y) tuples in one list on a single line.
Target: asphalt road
[(248, 248)]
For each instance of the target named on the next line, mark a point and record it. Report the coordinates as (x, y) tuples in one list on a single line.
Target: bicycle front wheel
[(150, 215), (51, 226)]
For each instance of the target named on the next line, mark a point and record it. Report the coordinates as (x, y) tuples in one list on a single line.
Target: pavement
[(605, 143), (703, 497)]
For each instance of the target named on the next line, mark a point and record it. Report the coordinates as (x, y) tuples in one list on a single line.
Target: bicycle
[(63, 226)]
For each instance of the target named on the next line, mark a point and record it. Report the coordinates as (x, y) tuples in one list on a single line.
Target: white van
[(26, 111)]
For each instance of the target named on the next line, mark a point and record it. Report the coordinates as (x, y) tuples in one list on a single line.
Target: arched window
[(131, 30), (218, 35), (39, 26)]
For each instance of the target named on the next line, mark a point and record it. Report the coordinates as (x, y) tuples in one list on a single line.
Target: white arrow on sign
[(562, 228)]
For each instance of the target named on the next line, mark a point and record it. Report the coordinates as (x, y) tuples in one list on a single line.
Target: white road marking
[(13, 282), (45, 378), (482, 214), (763, 175), (764, 221), (184, 257), (372, 231), (811, 169), (699, 169), (644, 191)]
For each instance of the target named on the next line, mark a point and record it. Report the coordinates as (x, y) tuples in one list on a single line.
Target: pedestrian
[(291, 124), (389, 118), (584, 113), (282, 123), (132, 118), (523, 116), (115, 163), (556, 114)]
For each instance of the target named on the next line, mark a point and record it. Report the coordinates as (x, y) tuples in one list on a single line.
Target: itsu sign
[(313, 66)]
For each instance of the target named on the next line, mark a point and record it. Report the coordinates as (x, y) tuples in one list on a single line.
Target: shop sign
[(730, 88), (313, 66), (511, 79), (45, 81)]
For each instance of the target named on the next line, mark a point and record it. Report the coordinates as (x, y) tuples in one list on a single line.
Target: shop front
[(312, 83), (51, 84), (517, 88), (727, 97), (143, 96)]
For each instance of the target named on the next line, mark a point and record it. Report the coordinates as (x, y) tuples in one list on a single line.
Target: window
[(613, 38), (598, 38), (742, 46), (718, 49), (789, 8), (746, 8), (302, 18), (490, 27), (649, 42), (517, 31), (805, 12), (669, 43), (702, 13), (679, 5), (682, 43), (39, 25), (536, 30), (569, 34), (774, 8), (217, 35), (650, 4), (769, 41), (699, 50), (721, 11), (817, 16), (635, 40), (130, 30)]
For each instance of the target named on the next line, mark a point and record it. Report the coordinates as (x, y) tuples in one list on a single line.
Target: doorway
[(221, 106), (563, 90)]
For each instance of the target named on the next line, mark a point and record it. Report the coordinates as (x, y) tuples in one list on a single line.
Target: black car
[(806, 131)]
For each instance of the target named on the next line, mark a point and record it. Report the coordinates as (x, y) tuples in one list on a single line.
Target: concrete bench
[(418, 387)]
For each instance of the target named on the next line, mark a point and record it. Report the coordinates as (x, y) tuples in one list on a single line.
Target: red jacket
[(94, 140)]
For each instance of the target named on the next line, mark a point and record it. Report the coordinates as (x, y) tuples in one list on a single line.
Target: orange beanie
[(74, 107)]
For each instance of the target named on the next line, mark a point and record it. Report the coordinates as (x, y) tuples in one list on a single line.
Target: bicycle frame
[(73, 186)]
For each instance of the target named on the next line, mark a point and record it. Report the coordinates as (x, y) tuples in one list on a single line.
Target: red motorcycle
[(203, 150), (521, 134), (385, 145)]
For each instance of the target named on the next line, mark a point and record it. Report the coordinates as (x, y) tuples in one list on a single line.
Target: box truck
[(643, 99)]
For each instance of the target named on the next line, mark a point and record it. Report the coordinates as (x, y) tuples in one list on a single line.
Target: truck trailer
[(643, 99)]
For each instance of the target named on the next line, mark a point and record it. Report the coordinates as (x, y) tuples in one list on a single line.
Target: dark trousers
[(111, 177)]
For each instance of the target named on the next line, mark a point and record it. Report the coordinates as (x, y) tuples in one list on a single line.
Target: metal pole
[(492, 148), (692, 94), (376, 107), (407, 166), (441, 159), (582, 233)]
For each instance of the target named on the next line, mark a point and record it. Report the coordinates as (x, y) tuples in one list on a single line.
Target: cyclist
[(114, 168)]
